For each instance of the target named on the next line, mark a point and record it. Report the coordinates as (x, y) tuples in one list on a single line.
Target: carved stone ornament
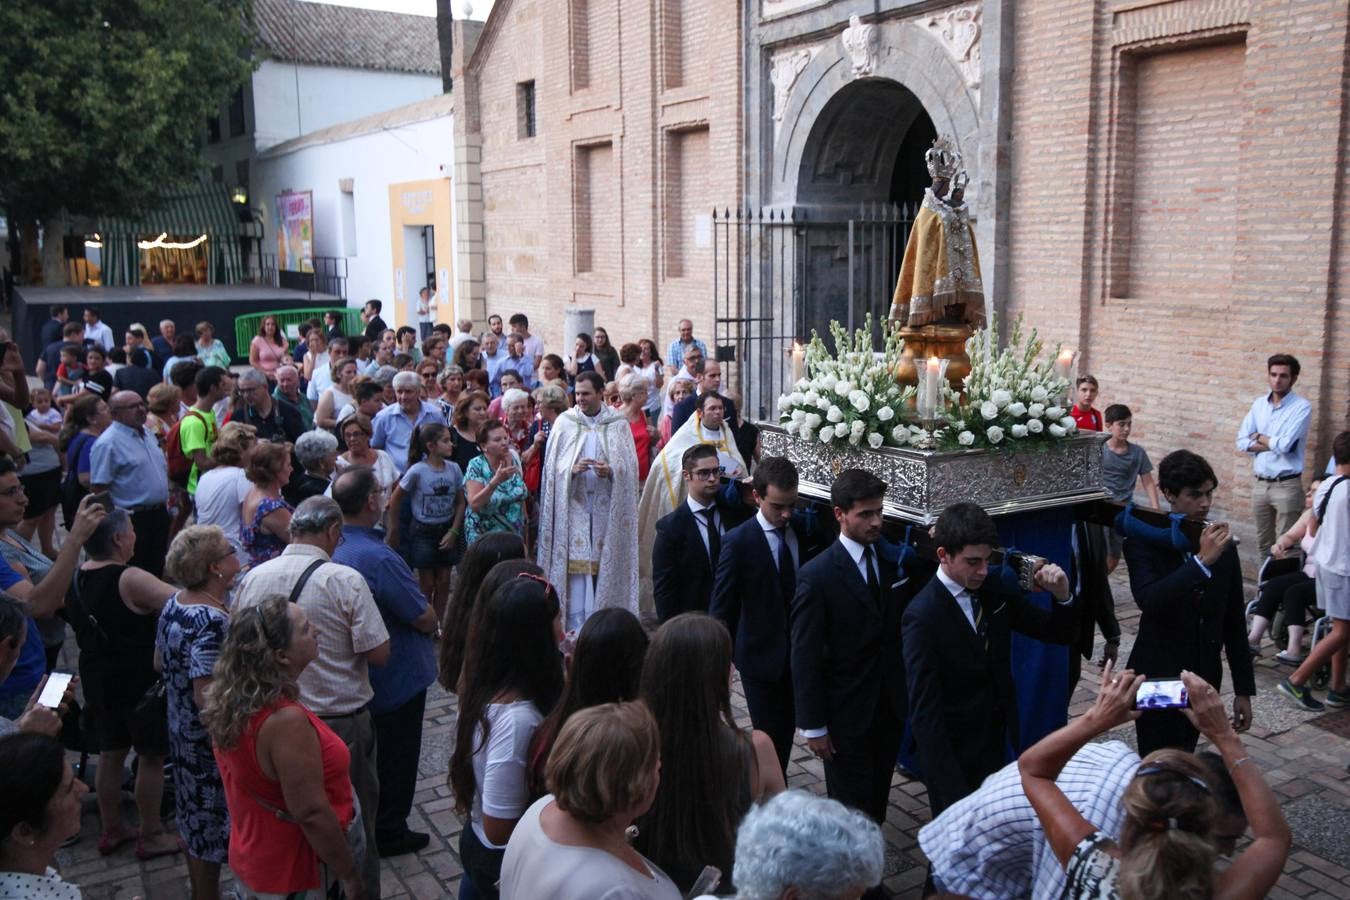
[(959, 29), (787, 67), (860, 43)]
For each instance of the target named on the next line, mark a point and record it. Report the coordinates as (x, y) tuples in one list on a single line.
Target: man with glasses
[(689, 540), (127, 463), (276, 420)]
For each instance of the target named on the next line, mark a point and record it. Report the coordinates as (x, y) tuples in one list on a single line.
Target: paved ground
[(1303, 756)]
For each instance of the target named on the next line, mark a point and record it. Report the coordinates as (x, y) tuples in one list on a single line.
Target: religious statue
[(940, 276)]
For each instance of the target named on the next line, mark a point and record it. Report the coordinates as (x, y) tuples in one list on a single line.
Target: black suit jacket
[(685, 408), (374, 328), (845, 645), (682, 576), (1186, 618), (962, 699), (748, 598)]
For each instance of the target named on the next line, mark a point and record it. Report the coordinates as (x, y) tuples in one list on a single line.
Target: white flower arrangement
[(854, 390), (1012, 395)]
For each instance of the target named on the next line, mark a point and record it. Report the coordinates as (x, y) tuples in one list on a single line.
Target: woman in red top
[(284, 770), (633, 392)]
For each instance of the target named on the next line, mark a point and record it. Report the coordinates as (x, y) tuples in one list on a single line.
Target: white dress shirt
[(963, 596), (772, 536), (1285, 427), (697, 509)]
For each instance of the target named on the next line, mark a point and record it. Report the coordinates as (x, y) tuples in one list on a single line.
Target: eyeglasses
[(708, 474), (14, 491)]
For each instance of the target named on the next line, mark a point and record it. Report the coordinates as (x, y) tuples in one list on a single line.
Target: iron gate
[(781, 274)]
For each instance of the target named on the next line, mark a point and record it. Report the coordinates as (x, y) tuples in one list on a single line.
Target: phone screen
[(54, 689), (1162, 693)]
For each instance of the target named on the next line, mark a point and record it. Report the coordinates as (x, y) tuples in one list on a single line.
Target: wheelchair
[(1274, 567)]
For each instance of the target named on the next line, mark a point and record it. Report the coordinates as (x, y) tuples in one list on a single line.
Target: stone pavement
[(1303, 756)]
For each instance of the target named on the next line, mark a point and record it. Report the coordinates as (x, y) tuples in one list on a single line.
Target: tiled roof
[(327, 35)]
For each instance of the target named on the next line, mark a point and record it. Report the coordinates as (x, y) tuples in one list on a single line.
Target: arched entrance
[(860, 180)]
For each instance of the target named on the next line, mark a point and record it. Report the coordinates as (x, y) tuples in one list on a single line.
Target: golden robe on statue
[(941, 267)]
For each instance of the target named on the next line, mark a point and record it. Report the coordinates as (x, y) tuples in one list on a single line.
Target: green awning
[(204, 210)]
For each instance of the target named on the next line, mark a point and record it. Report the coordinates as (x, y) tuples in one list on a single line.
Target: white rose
[(842, 430), (1054, 412), (798, 397), (855, 439), (812, 421), (1036, 410), (828, 381), (798, 415), (900, 434), (812, 398), (1001, 398), (1068, 424), (916, 430), (826, 434), (1017, 410), (802, 384), (989, 409), (835, 414), (965, 439), (994, 433), (1019, 431), (875, 440), (1057, 431), (1035, 426), (920, 437), (859, 401), (885, 413), (842, 388), (822, 404), (857, 426), (1039, 394), (784, 403), (790, 427), (807, 433)]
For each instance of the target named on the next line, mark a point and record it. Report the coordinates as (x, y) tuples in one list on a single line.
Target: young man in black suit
[(689, 539), (1191, 607), (375, 326), (753, 588), (957, 646), (847, 675)]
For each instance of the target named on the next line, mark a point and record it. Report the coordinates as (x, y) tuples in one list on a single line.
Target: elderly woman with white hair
[(633, 392), (317, 452), (516, 414), (801, 845)]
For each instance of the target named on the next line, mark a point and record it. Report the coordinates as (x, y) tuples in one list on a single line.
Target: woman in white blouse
[(572, 844)]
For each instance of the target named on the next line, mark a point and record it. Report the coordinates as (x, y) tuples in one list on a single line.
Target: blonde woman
[(284, 771), (222, 489), (344, 372)]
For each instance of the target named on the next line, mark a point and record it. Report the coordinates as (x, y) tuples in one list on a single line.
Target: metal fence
[(781, 274), (329, 275)]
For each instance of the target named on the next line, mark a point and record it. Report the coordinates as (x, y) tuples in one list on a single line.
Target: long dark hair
[(78, 418), (606, 668), (480, 558), (512, 647), (424, 436), (32, 767), (686, 680)]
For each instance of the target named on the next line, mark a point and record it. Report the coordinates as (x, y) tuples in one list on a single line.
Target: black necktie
[(787, 572), (981, 626), (873, 584), (714, 539)]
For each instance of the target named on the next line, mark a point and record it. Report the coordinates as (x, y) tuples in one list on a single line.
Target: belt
[(145, 507), (350, 715), (1278, 478)]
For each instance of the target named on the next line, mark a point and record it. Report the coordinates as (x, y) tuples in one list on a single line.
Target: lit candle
[(1064, 363), (798, 361), (932, 387)]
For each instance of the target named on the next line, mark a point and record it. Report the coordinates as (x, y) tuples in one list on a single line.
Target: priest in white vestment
[(588, 507), (665, 490)]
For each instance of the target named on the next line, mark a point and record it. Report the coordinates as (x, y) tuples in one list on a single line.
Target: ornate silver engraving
[(959, 29), (860, 43), (921, 483)]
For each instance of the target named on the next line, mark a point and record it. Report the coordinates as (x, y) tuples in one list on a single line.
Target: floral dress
[(259, 544), (505, 510), (188, 640)]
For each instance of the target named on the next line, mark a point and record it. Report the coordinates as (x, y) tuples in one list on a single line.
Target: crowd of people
[(266, 568)]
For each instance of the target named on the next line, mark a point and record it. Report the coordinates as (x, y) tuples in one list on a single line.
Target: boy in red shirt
[(1088, 419)]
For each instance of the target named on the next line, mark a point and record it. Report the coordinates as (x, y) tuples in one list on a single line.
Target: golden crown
[(942, 158)]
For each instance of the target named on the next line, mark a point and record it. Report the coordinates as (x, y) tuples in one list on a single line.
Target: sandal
[(1285, 659), (109, 841), (143, 853)]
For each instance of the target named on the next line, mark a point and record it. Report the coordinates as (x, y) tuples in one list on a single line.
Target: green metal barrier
[(288, 320)]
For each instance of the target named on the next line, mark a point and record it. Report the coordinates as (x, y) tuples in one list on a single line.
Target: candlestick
[(932, 387), (1064, 363), (798, 361)]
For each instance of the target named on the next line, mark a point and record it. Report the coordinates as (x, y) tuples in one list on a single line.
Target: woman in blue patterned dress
[(191, 628), (266, 517), (494, 486)]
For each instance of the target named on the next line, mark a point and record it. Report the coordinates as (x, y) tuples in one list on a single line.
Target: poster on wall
[(295, 231)]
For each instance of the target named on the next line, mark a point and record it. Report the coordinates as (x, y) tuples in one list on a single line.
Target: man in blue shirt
[(678, 348), (126, 461), (494, 356), (518, 361), (401, 684), (1273, 432), (393, 426)]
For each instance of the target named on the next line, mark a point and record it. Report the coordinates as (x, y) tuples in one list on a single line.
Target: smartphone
[(54, 689), (1162, 693), (706, 882), (104, 500)]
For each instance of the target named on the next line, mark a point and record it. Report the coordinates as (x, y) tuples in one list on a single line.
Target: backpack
[(180, 464)]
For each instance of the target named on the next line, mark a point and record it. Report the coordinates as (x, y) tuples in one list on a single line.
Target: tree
[(103, 103), (445, 36)]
